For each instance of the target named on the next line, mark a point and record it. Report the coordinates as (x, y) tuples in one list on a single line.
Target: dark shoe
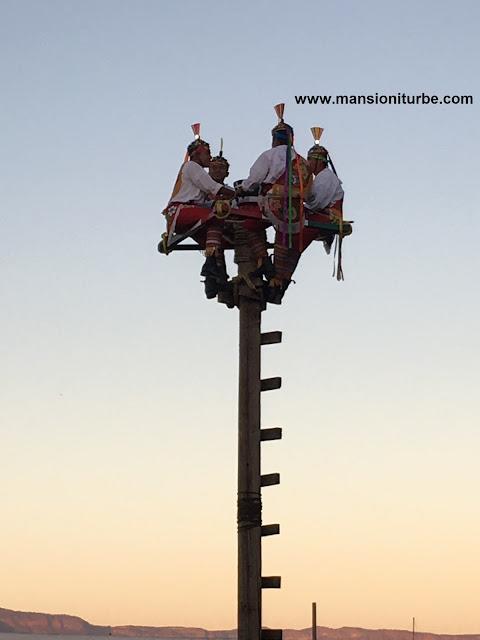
[(222, 277), (275, 294), (211, 288), (265, 269), (270, 293), (210, 268)]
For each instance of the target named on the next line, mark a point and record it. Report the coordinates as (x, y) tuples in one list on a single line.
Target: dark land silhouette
[(62, 624)]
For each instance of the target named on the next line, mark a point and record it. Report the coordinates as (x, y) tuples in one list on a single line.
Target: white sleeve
[(258, 173), (321, 194), (200, 178)]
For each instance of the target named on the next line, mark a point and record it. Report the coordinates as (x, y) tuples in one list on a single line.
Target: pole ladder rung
[(272, 433), (270, 530), (268, 384), (272, 634), (271, 337), (271, 582), (269, 479)]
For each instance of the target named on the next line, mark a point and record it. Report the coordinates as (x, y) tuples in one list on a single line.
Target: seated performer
[(324, 203), (219, 168), (187, 205), (217, 230), (326, 195), (285, 178)]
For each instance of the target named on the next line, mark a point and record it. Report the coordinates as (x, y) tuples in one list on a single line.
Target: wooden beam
[(271, 337), (273, 433), (271, 582), (268, 384), (249, 499), (270, 529), (180, 247), (269, 479), (272, 634), (329, 226)]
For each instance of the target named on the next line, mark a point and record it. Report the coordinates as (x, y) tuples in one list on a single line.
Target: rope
[(302, 208), (289, 155), (285, 204), (338, 271), (249, 513)]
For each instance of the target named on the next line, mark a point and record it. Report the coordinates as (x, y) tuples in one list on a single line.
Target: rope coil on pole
[(249, 511)]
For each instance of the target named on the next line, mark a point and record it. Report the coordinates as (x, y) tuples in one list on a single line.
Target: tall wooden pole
[(249, 514), (314, 621)]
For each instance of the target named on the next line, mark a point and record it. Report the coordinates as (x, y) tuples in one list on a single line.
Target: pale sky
[(118, 377)]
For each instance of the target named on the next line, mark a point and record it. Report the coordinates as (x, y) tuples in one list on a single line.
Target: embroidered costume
[(284, 178), (191, 202)]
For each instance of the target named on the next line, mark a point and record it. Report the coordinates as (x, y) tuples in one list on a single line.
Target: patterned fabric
[(275, 199), (219, 160), (258, 242), (282, 131), (318, 152), (213, 243), (285, 260), (196, 144)]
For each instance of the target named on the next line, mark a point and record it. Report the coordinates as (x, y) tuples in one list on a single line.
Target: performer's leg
[(213, 245), (214, 269), (285, 258), (257, 240)]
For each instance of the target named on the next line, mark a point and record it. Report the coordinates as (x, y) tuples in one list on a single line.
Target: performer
[(284, 178), (326, 195), (214, 269), (219, 168), (187, 206)]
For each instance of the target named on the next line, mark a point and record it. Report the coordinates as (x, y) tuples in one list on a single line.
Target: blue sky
[(118, 378)]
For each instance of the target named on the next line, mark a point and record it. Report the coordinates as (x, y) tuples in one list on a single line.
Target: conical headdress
[(316, 133), (317, 151), (282, 128), (279, 109), (196, 130), (197, 142)]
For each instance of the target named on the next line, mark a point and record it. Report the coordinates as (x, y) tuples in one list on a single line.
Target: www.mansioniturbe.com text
[(398, 98)]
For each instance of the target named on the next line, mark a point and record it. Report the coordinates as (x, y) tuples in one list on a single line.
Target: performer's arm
[(225, 193), (201, 179), (258, 173), (320, 195)]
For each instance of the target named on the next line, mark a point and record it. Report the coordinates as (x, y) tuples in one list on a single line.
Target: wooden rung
[(272, 634), (271, 337), (269, 479), (268, 384), (273, 433), (270, 529), (271, 582)]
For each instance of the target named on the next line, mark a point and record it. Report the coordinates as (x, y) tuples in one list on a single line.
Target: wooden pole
[(249, 514), (314, 621)]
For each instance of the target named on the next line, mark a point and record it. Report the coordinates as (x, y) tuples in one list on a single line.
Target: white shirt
[(268, 167), (194, 184), (326, 190)]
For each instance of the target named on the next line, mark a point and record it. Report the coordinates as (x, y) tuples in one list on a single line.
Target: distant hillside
[(22, 622), (61, 624)]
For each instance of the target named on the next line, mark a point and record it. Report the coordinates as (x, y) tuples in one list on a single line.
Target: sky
[(118, 378)]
